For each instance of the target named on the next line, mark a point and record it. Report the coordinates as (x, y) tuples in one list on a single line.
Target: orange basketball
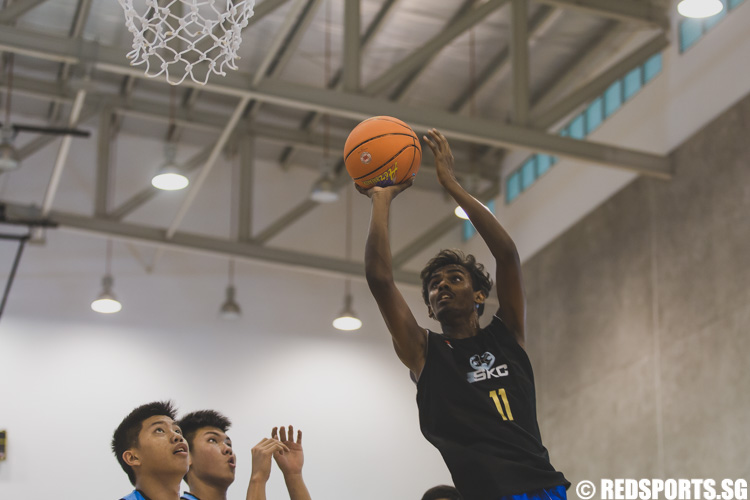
[(382, 151)]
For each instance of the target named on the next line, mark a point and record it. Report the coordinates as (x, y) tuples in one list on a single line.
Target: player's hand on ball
[(392, 191), (443, 156)]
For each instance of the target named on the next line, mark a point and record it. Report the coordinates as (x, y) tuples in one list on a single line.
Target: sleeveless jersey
[(477, 406), (188, 496), (135, 495)]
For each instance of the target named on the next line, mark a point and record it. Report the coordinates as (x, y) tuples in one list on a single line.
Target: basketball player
[(475, 386), (150, 448), (442, 492), (213, 462)]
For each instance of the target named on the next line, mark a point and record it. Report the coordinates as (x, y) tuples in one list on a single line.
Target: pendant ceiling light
[(230, 310), (699, 9), (170, 176), (106, 302)]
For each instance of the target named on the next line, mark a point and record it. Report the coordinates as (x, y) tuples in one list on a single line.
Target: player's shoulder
[(499, 329)]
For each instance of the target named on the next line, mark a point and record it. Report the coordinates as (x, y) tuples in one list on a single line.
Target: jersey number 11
[(502, 406)]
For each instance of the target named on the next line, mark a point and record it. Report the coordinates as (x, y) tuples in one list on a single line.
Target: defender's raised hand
[(290, 462), (262, 453)]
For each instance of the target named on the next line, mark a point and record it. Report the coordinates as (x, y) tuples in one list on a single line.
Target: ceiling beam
[(197, 183), (246, 188), (62, 154), (17, 9), (519, 55), (417, 58), (103, 163), (76, 30), (299, 15), (621, 10), (598, 85), (198, 244), (352, 50), (263, 9), (147, 193), (499, 66), (401, 91), (357, 107), (612, 36), (312, 119)]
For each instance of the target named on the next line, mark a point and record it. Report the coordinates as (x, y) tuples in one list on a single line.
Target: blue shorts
[(554, 493)]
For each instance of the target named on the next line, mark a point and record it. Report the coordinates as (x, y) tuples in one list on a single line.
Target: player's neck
[(208, 491), (159, 488), (461, 328)]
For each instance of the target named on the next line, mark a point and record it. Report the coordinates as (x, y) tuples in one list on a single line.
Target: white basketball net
[(185, 37)]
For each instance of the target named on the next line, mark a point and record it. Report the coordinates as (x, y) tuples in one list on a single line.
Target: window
[(632, 83), (690, 32), (576, 128), (594, 115), (528, 173), (710, 22), (613, 98), (543, 163), (513, 186), (584, 124), (652, 68)]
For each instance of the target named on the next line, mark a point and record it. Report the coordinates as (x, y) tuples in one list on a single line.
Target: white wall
[(68, 375)]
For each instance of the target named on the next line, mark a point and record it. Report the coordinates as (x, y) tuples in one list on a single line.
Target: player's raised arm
[(509, 283), (291, 462), (409, 339), (261, 470)]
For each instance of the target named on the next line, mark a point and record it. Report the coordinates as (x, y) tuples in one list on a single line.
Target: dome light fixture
[(347, 320), (699, 9), (169, 177), (230, 310), (106, 303)]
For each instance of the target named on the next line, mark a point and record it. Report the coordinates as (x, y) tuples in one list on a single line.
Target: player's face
[(213, 460), (161, 448), (450, 291)]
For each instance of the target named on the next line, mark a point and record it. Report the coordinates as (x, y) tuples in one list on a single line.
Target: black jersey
[(477, 406)]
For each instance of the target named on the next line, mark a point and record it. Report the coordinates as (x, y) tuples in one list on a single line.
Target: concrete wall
[(638, 322)]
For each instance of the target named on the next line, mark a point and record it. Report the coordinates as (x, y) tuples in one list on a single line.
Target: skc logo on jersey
[(483, 368)]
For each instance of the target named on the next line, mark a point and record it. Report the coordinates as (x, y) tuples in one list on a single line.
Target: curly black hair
[(126, 434), (480, 279)]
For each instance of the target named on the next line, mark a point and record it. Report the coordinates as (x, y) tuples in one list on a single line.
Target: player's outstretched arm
[(291, 462), (261, 471), (409, 339), (508, 278)]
